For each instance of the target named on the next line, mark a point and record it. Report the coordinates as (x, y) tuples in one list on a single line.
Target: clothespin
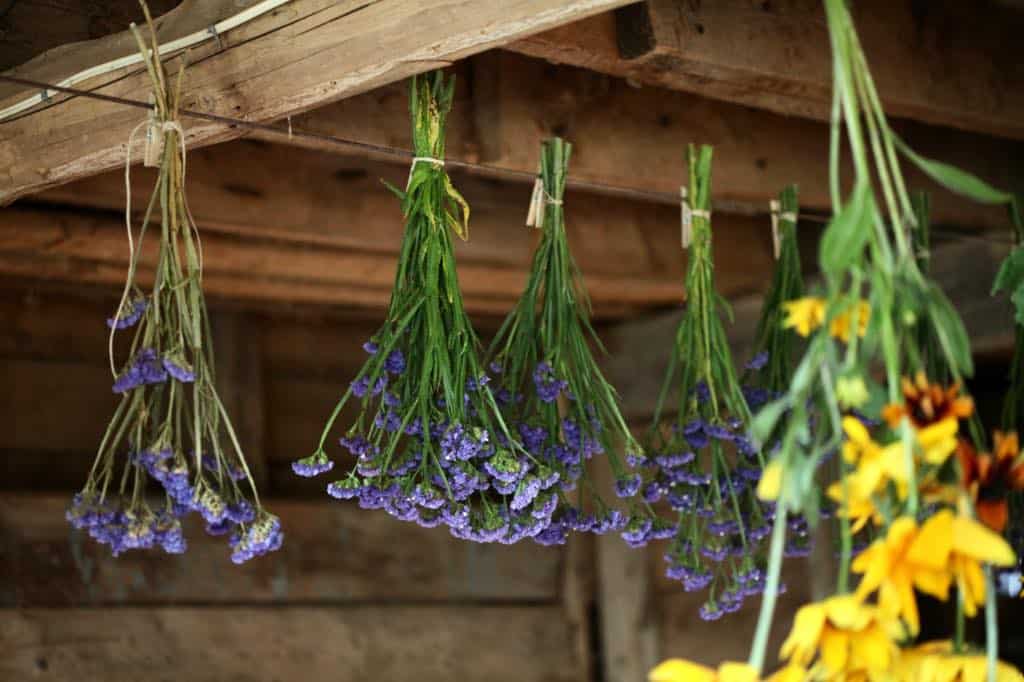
[(775, 207), (535, 216), (154, 139), (686, 219)]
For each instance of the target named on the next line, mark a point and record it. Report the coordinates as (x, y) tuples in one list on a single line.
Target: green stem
[(991, 626), (771, 589)]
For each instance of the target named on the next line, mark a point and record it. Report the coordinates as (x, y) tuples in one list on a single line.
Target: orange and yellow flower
[(929, 558), (847, 637), (681, 670), (989, 478), (926, 404), (937, 662)]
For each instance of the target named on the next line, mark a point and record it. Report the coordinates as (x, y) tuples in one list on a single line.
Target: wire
[(289, 132), (209, 33)]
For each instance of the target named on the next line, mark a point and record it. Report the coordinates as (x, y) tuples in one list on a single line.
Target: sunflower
[(925, 404), (989, 478), (930, 557), (804, 314), (936, 662), (850, 639)]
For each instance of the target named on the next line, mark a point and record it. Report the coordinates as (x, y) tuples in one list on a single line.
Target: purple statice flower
[(346, 489), (361, 386), (637, 531), (169, 534), (695, 433), (731, 600), (222, 527), (358, 446), (613, 520), (702, 392), (389, 421), (715, 552), (628, 486), (429, 518), (554, 534), (697, 580), (145, 368), (458, 445), (548, 385), (371, 348), (209, 504), (548, 476), (653, 491), (756, 397), (533, 437), (87, 510), (314, 465), (240, 512), (544, 506), (671, 461), (428, 497), (456, 515), (179, 368), (525, 492), (395, 362), (758, 361), (718, 432), (662, 530), (710, 610), (131, 314), (680, 500), (637, 459), (759, 532), (263, 536), (505, 468)]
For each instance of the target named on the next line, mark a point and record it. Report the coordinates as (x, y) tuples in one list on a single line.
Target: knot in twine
[(687, 214), (539, 200)]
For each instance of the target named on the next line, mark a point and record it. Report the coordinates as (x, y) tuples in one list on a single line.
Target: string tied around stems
[(422, 159), (687, 214), (539, 200), (777, 215)]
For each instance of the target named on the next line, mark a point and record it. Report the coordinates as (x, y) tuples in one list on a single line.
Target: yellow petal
[(771, 481), (791, 673), (935, 433), (834, 649), (934, 542), (872, 649), (803, 637), (856, 431), (680, 670), (736, 672), (847, 612), (972, 539)]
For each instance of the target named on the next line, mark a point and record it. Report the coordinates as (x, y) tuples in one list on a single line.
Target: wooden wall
[(352, 595)]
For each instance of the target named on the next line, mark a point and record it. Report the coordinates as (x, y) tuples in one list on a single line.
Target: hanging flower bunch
[(701, 464), (898, 477), (430, 443), (170, 425), (551, 390)]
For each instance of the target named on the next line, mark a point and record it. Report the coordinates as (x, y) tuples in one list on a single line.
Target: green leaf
[(1010, 279), (767, 417), (1018, 302), (954, 179), (950, 331), (847, 233)]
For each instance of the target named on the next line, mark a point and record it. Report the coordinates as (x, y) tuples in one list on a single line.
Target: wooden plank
[(333, 552), (91, 247), (635, 138), (238, 354), (947, 64), (432, 644), (989, 323), (304, 54)]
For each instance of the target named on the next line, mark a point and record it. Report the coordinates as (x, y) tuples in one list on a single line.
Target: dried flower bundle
[(170, 419), (550, 388)]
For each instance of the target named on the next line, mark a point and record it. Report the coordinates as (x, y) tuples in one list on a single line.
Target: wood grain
[(430, 644), (306, 53), (334, 552)]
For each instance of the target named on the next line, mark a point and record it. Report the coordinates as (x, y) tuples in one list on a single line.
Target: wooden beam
[(944, 63), (333, 552), (306, 53), (635, 138), (430, 644), (320, 205), (989, 323)]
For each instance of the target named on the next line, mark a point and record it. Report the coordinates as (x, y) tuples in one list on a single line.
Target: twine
[(539, 200), (686, 216), (778, 214), (151, 125), (423, 159)]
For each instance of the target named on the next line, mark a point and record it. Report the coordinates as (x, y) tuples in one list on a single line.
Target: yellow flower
[(847, 635), (936, 662), (681, 670), (840, 325), (771, 481), (855, 505), (804, 314), (929, 558)]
